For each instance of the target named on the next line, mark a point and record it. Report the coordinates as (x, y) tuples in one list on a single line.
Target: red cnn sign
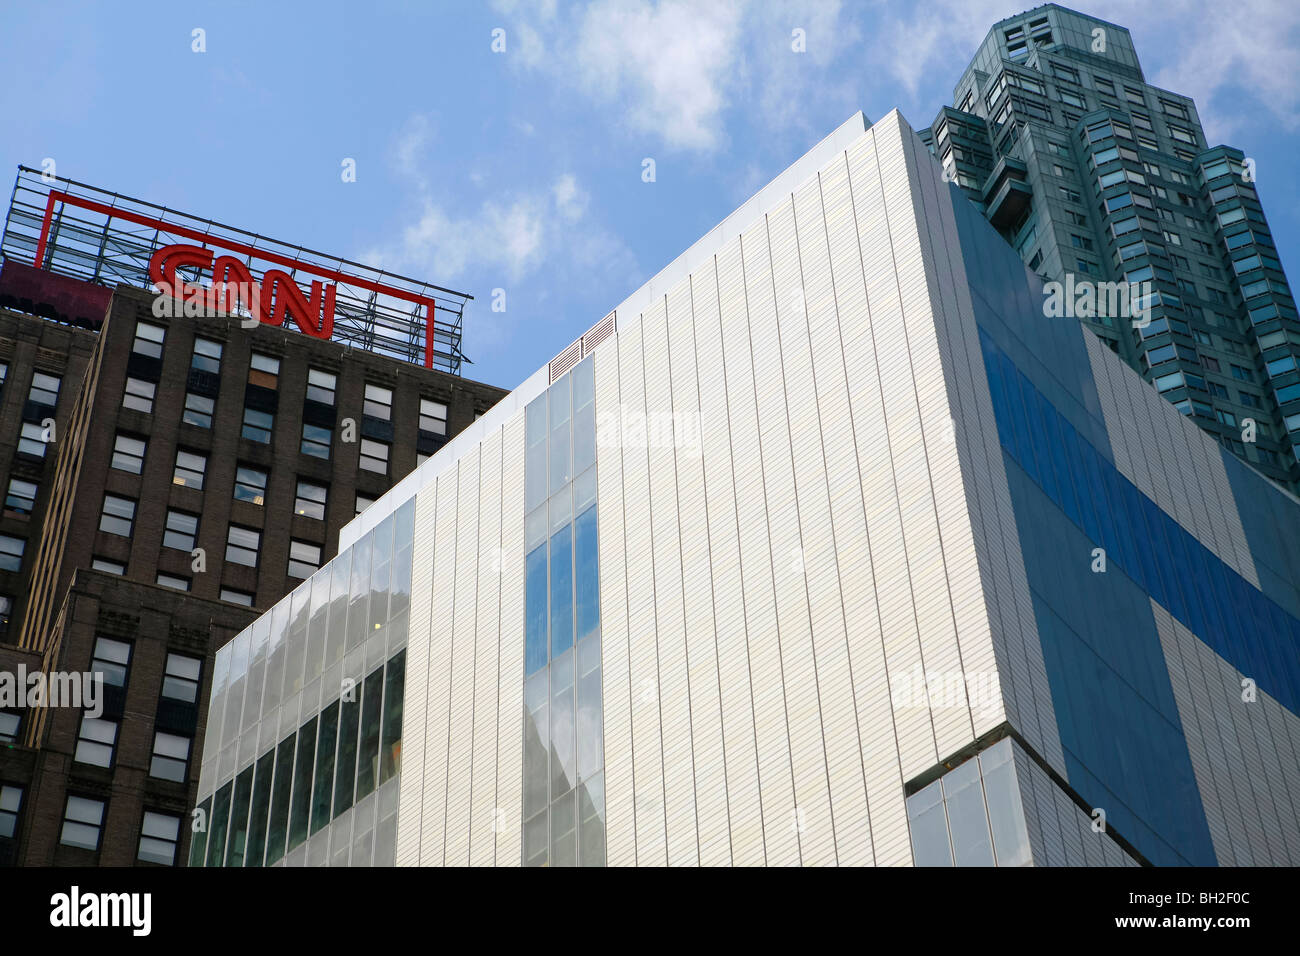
[(280, 297), (232, 286)]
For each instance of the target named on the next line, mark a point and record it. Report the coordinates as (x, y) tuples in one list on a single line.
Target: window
[(315, 441), (433, 417), (21, 498), (181, 678), (1249, 400), (198, 410), (320, 386), (159, 836), (1210, 363), (44, 390), (237, 597), (9, 724), (1240, 373), (242, 545), (138, 395), (148, 340), (11, 552), (117, 516), (250, 485), (82, 820), (363, 502), (128, 454), (264, 370), (11, 799), (189, 469), (111, 660), (31, 440), (258, 425), (310, 502), (207, 356), (1217, 390), (95, 741), (107, 566), (4, 373), (379, 402), (182, 528), (6, 612), (374, 456), (173, 581), (1225, 417), (171, 757), (304, 558)]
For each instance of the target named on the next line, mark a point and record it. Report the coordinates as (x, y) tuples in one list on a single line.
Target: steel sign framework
[(105, 238)]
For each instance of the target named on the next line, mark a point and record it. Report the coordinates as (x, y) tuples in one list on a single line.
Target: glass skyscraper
[(826, 546), (1093, 174)]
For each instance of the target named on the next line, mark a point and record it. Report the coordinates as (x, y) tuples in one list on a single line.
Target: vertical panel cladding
[(876, 389), (841, 362), (487, 657), (669, 613), (415, 700), (438, 709), (696, 572), (1247, 787), (510, 637), (958, 501), (744, 806), (800, 530), (460, 736), (620, 812), (647, 745), (833, 529), (747, 316), (917, 415)]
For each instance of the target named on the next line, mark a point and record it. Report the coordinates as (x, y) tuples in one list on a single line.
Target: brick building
[(166, 477)]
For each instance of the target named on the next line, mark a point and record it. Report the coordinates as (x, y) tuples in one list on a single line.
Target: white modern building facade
[(825, 547)]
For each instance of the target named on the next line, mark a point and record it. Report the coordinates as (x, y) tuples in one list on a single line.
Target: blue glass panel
[(535, 610), (561, 591), (587, 563)]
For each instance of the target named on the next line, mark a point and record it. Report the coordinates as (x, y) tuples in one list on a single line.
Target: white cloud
[(570, 199)]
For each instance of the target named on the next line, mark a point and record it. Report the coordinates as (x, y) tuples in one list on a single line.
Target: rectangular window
[(258, 425), (181, 678), (363, 502), (11, 552), (300, 815), (310, 502), (374, 456), (171, 757), (242, 545), (198, 410), (321, 386), (172, 581), (315, 441), (83, 818), (243, 598), (160, 835), (379, 402), (31, 440), (128, 454), (304, 558), (9, 723), (148, 340), (21, 498), (207, 356), (95, 741), (250, 485), (44, 390), (433, 417), (189, 469), (111, 660), (264, 370), (117, 516), (11, 800), (181, 530), (107, 566)]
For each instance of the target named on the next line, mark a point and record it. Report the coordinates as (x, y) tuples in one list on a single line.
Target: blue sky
[(522, 170)]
